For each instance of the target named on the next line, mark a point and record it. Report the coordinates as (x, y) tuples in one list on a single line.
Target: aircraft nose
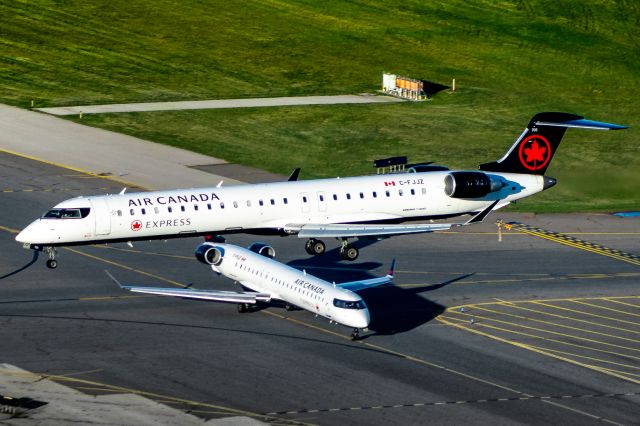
[(363, 319), (28, 234)]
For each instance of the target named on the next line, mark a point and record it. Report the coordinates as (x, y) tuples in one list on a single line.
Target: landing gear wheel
[(52, 263), (349, 252), (242, 308), (355, 335), (289, 307), (315, 247)]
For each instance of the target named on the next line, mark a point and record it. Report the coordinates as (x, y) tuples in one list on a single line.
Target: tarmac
[(221, 103)]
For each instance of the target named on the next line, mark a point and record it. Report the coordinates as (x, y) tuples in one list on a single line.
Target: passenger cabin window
[(156, 210), (132, 212), (235, 204), (424, 191), (119, 212), (304, 199), (375, 194), (388, 194), (348, 196), (169, 209), (284, 200), (209, 206), (400, 192), (260, 202), (182, 208), (221, 205), (362, 195), (413, 191), (273, 202), (321, 197), (335, 197), (248, 203), (143, 211), (195, 207)]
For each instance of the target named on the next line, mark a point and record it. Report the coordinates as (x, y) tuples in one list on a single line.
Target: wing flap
[(347, 230), (350, 230)]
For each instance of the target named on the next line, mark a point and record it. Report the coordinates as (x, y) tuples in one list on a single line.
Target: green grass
[(510, 59)]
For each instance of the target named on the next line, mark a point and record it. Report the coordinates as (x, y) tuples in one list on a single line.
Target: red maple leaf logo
[(392, 183), (136, 225), (535, 152)]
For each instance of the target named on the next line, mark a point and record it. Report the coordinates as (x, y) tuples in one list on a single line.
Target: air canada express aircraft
[(271, 281), (341, 208)]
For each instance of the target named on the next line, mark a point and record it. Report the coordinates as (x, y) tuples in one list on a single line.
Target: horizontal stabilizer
[(370, 283)]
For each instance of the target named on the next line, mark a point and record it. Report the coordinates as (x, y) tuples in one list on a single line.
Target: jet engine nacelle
[(263, 249), (471, 184), (209, 254)]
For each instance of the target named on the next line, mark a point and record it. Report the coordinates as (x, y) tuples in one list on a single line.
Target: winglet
[(480, 216), (392, 269), (294, 175)]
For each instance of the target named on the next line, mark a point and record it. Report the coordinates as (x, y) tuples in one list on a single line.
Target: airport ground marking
[(573, 242), (521, 333), (608, 299), (128, 268), (465, 327), (75, 169), (556, 324), (459, 402), (605, 308), (457, 322), (585, 313), (569, 318)]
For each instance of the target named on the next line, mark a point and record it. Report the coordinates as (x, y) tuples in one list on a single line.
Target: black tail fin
[(534, 149)]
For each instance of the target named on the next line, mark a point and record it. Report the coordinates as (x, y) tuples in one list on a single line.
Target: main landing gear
[(317, 248)]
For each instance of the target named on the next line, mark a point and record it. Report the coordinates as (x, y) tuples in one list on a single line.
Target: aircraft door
[(102, 216), (304, 201)]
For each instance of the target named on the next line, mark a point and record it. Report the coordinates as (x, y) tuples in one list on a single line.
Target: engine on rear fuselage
[(209, 254), (263, 249), (471, 184)]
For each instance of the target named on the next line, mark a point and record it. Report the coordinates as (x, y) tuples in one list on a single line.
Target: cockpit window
[(348, 304), (67, 213)]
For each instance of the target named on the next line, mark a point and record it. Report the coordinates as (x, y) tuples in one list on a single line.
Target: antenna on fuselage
[(219, 184), (123, 190)]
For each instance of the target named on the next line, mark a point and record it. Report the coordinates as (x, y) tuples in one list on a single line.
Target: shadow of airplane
[(395, 309), (31, 262)]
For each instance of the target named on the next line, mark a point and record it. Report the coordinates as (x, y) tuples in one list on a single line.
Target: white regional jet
[(269, 280), (363, 206)]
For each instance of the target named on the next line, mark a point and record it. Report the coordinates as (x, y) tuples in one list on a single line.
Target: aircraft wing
[(339, 230), (372, 282), (192, 293), (344, 230)]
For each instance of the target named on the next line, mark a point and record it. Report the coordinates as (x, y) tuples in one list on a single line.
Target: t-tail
[(534, 149)]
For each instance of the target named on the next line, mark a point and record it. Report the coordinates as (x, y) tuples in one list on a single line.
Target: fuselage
[(269, 208), (264, 275)]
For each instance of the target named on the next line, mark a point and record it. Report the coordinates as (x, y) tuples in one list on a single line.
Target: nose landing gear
[(52, 263)]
